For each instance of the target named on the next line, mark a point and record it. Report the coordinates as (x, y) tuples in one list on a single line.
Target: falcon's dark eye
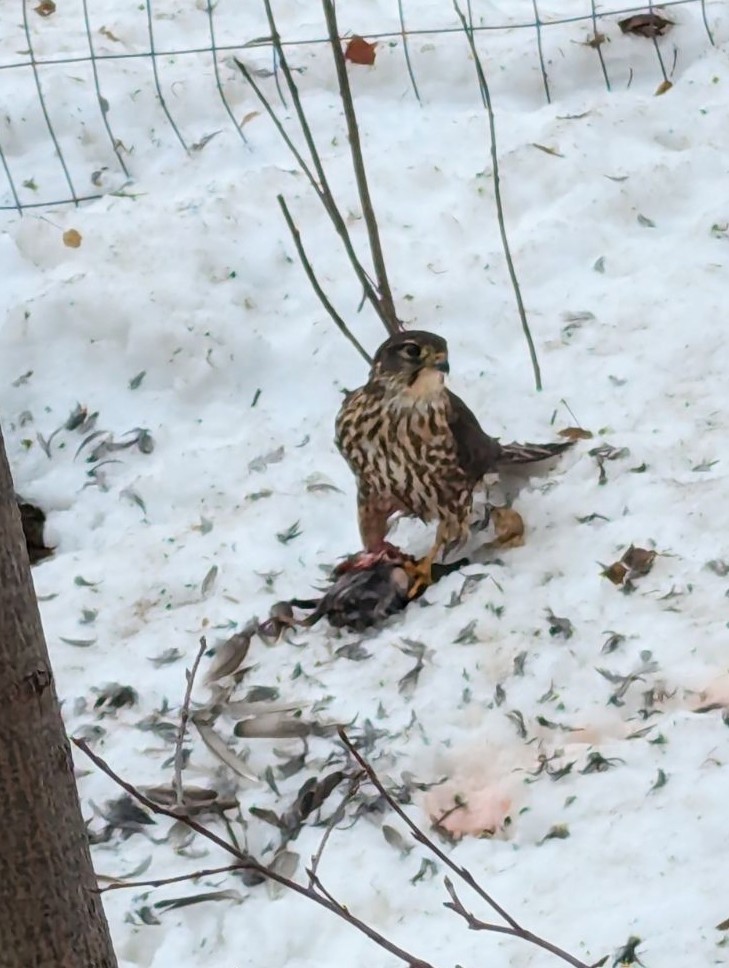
[(412, 350)]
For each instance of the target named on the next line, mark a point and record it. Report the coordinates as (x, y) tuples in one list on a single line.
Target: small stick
[(331, 824), (326, 196), (393, 324), (316, 858), (248, 863), (476, 924), (438, 824), (119, 885), (421, 836), (486, 98), (321, 187), (512, 926), (338, 321), (182, 729), (570, 411), (406, 50), (316, 883)]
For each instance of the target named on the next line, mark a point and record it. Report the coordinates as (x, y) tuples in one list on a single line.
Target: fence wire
[(20, 192)]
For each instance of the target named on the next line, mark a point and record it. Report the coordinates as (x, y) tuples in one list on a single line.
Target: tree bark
[(51, 914)]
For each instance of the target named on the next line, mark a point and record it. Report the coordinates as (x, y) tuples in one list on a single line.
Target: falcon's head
[(415, 360)]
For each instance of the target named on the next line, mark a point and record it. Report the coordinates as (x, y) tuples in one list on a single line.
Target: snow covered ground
[(185, 311)]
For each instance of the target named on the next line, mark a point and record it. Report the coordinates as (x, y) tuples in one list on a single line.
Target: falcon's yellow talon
[(420, 574)]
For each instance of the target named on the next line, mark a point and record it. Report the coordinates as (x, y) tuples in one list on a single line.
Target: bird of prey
[(415, 447)]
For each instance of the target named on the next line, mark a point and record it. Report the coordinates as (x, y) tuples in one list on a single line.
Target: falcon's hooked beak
[(439, 361)]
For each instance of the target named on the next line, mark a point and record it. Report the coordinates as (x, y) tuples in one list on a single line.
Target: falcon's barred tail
[(529, 453)]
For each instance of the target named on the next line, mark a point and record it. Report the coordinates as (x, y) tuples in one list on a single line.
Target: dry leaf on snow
[(645, 25), (509, 527), (72, 238), (360, 51), (616, 572), (575, 433), (635, 563), (639, 560)]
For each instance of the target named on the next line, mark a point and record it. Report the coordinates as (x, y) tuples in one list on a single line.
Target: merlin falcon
[(415, 447)]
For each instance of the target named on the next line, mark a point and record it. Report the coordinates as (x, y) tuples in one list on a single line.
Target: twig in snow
[(331, 824), (439, 821), (184, 717), (117, 884), (345, 92), (476, 924), (338, 321), (512, 926), (486, 98), (248, 863)]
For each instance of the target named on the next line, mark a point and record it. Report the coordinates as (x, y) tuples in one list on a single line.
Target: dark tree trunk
[(50, 912)]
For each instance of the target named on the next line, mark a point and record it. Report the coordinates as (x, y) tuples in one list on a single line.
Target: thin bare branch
[(320, 183), (386, 312), (330, 827), (406, 50), (512, 926), (117, 884), (317, 885), (392, 323), (422, 837), (182, 729), (321, 187), (486, 97), (439, 821), (308, 269), (476, 924), (248, 863)]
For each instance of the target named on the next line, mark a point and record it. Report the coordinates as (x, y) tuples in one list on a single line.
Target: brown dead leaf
[(575, 433), (645, 25), (72, 238), (639, 560), (635, 563), (45, 8), (595, 41), (663, 87), (509, 528), (249, 117), (616, 572), (360, 51), (105, 32)]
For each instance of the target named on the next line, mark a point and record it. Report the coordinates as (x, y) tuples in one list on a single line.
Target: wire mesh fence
[(70, 76)]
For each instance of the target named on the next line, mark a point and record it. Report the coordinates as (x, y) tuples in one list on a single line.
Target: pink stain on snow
[(482, 815)]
